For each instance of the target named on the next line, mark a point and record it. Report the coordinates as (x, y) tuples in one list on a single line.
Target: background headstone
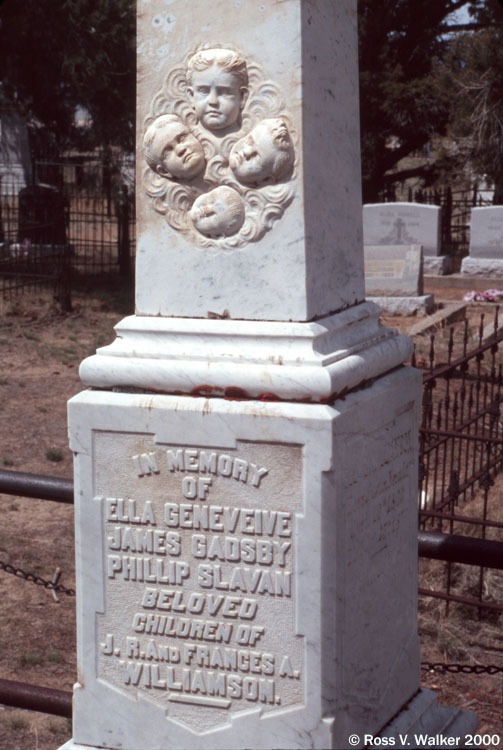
[(394, 279), (486, 232), (393, 271), (486, 243), (42, 215), (406, 224)]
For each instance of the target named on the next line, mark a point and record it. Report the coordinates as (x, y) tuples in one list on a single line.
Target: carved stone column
[(246, 458)]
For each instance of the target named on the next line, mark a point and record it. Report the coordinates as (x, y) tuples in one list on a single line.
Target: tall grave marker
[(246, 536)]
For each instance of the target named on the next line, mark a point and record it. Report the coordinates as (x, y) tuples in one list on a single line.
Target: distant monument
[(486, 243), (394, 279), (391, 224)]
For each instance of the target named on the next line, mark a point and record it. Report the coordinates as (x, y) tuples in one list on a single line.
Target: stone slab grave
[(392, 224), (486, 243), (394, 279), (246, 455)]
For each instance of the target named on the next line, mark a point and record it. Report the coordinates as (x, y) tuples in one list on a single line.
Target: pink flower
[(492, 295)]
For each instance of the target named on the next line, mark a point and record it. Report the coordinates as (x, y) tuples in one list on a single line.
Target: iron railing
[(49, 234), (36, 698), (461, 441)]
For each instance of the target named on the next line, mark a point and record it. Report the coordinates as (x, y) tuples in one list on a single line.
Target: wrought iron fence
[(49, 233), (461, 446)]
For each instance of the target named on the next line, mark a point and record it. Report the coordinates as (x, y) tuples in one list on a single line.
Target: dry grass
[(40, 351)]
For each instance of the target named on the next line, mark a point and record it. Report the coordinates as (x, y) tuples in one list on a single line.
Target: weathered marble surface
[(246, 569), (298, 252), (329, 659), (287, 360)]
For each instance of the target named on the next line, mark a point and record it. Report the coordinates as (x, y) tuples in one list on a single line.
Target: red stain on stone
[(233, 393)]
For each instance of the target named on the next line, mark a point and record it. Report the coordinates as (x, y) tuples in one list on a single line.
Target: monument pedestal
[(235, 560), (306, 361)]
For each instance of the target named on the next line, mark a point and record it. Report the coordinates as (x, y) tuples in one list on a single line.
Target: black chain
[(461, 668), (427, 666), (57, 587)]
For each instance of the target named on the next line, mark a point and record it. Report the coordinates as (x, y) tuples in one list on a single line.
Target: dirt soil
[(40, 350)]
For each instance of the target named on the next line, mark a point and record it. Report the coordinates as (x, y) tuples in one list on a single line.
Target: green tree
[(474, 72), (400, 44), (58, 55)]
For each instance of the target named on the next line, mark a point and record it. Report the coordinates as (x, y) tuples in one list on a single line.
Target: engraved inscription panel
[(385, 269), (219, 144), (199, 567), (393, 270)]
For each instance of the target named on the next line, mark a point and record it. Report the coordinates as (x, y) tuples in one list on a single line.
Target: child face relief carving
[(264, 155), (172, 150), (226, 157), (217, 87), (219, 213)]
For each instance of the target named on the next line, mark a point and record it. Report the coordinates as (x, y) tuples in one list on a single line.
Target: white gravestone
[(246, 488), (391, 224), (394, 279), (486, 243), (15, 157)]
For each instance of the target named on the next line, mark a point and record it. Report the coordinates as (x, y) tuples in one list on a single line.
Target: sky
[(461, 16)]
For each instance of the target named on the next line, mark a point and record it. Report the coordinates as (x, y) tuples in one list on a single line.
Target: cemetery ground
[(40, 351)]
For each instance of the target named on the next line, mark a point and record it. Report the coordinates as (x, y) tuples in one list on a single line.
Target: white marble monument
[(390, 224), (486, 243), (246, 456)]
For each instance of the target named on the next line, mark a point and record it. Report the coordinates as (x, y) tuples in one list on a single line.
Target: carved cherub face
[(264, 155), (217, 87), (219, 213), (172, 150)]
